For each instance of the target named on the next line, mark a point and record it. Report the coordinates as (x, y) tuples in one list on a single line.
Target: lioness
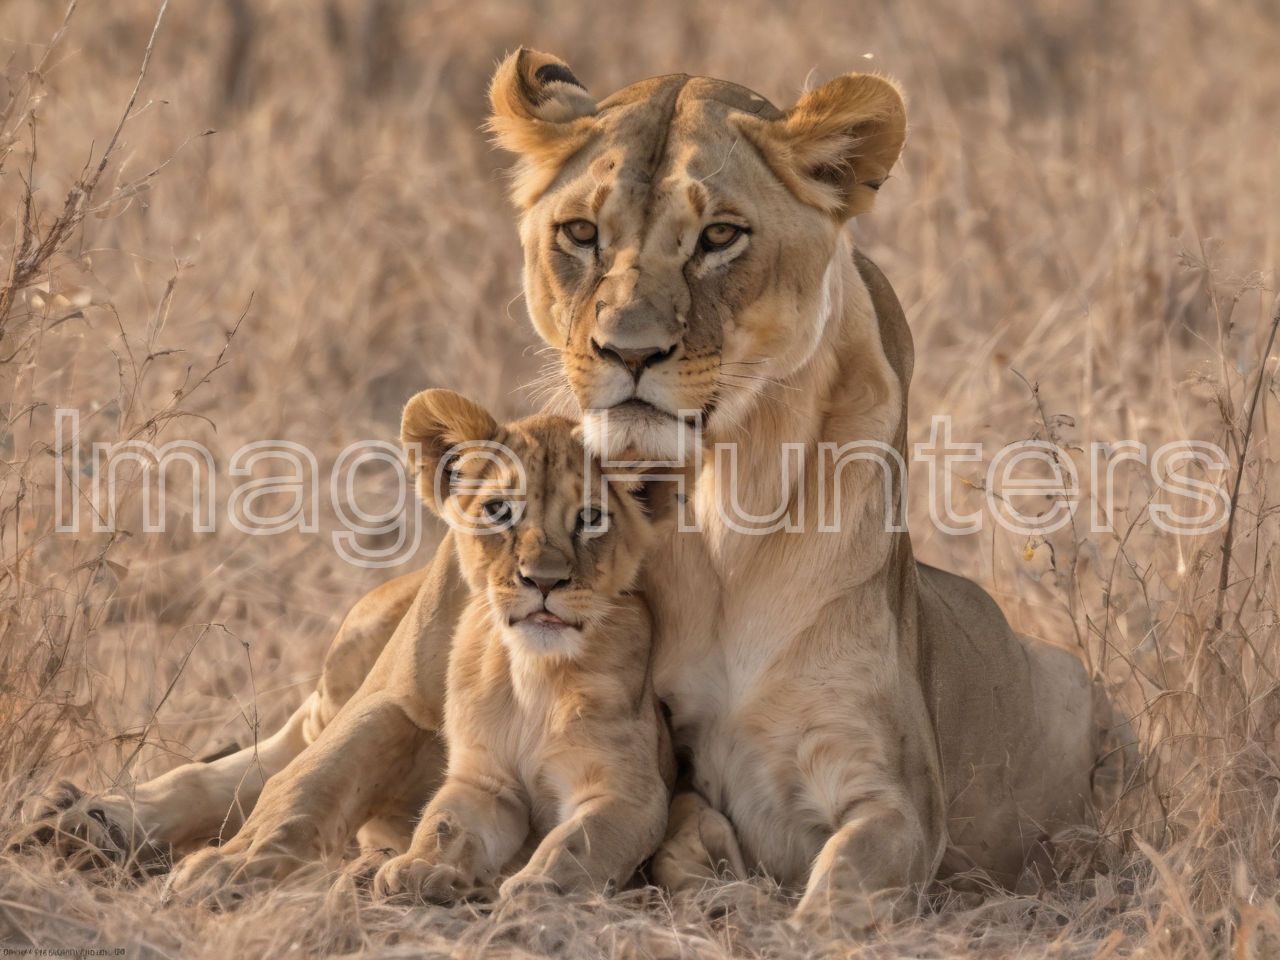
[(855, 722)]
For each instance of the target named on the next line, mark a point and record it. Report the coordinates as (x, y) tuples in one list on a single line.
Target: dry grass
[(1090, 199)]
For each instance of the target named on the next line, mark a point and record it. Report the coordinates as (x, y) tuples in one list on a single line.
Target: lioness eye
[(720, 235), (590, 517), (497, 511), (581, 232)]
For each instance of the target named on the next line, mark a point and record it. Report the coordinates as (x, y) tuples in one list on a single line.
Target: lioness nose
[(544, 584), (636, 335), (635, 359)]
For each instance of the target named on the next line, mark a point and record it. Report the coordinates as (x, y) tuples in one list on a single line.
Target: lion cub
[(555, 735)]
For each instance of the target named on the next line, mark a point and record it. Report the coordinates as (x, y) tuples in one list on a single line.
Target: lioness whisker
[(776, 383)]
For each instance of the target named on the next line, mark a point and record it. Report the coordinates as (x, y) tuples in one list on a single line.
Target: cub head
[(679, 235), (537, 532)]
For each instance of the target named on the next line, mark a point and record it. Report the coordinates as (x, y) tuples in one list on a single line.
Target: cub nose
[(544, 584), (635, 359)]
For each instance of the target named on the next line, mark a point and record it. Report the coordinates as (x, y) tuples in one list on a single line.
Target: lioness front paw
[(224, 877), (525, 894), (210, 877), (412, 877), (825, 915), (530, 888), (87, 830)]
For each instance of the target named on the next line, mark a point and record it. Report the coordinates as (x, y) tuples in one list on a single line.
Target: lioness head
[(678, 235), (537, 531)]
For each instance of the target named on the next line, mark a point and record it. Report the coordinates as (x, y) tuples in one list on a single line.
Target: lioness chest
[(780, 702)]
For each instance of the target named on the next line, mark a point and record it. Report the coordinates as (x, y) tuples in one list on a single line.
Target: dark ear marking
[(556, 73), (543, 114)]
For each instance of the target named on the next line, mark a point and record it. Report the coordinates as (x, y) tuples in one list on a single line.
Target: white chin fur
[(631, 434), (542, 640)]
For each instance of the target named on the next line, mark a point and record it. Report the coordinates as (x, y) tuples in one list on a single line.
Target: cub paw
[(409, 877), (700, 846), (530, 889)]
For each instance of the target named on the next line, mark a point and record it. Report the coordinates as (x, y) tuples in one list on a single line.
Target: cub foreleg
[(468, 831), (600, 845)]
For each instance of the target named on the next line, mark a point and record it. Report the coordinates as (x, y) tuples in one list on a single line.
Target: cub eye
[(581, 232), (720, 235), (590, 517), (497, 511)]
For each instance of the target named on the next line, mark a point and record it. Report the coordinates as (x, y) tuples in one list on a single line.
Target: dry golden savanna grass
[(1084, 232)]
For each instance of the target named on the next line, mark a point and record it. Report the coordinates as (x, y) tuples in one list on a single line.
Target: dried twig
[(7, 135), (142, 737), (1228, 539), (33, 257)]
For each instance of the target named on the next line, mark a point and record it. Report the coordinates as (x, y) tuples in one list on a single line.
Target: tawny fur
[(553, 740), (855, 723)]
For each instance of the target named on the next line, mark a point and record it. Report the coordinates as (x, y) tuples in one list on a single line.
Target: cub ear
[(541, 112), (835, 147), (439, 420)]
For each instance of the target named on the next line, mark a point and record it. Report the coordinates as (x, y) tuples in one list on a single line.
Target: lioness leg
[(468, 831), (197, 802), (190, 804), (700, 845), (378, 756), (867, 868), (371, 759), (200, 801)]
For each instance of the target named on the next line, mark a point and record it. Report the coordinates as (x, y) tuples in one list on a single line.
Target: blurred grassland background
[(1089, 199)]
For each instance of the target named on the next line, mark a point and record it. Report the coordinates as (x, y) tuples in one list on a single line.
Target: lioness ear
[(835, 147), (439, 420), (541, 112)]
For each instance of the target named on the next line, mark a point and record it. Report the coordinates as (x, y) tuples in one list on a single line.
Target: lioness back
[(1002, 705)]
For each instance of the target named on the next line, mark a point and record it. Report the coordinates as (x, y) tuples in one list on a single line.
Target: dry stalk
[(34, 252), (1228, 539)]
